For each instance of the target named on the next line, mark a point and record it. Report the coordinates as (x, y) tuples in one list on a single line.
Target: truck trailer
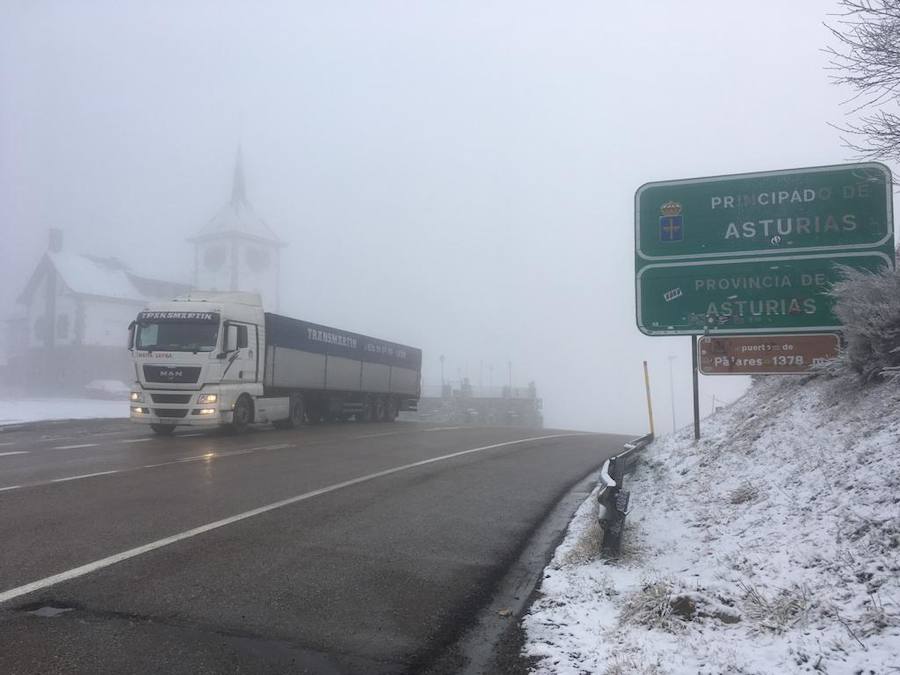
[(213, 359)]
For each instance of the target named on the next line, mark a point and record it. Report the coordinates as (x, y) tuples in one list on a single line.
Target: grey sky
[(458, 176)]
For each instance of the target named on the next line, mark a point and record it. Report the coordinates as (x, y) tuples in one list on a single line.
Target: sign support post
[(696, 388)]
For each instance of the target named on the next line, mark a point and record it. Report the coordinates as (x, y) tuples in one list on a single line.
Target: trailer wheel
[(314, 413), (242, 415), (163, 429), (298, 415), (380, 409), (390, 409), (367, 411)]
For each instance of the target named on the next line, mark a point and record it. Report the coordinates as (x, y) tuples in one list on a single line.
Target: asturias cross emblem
[(671, 222)]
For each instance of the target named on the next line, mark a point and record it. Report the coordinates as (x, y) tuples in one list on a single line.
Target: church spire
[(238, 190)]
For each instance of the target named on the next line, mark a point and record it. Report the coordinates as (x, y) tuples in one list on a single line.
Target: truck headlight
[(137, 397), (140, 411), (207, 398)]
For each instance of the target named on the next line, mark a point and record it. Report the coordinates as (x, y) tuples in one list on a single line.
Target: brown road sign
[(765, 354)]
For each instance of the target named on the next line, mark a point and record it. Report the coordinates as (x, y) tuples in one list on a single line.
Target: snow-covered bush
[(868, 305)]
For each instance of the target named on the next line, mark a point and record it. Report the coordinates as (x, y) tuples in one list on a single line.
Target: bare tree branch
[(867, 59)]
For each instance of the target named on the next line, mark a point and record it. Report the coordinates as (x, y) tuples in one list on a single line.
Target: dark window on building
[(62, 326), (40, 328)]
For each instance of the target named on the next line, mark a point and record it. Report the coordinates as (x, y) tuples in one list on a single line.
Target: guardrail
[(612, 497)]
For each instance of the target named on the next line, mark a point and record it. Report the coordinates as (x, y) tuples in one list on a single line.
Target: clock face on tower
[(215, 257), (257, 259)]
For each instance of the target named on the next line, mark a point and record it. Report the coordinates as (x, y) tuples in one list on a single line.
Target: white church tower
[(236, 250)]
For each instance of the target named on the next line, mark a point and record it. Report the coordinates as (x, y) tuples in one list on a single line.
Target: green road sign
[(774, 213), (756, 252), (756, 295)]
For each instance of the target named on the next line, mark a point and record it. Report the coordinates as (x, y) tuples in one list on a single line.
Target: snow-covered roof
[(92, 277), (237, 217), (100, 277)]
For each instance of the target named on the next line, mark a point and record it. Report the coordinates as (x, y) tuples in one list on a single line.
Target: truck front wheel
[(242, 414)]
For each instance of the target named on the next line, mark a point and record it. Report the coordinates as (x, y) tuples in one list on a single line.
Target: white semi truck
[(217, 359)]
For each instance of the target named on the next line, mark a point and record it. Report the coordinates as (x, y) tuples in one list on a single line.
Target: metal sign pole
[(696, 388)]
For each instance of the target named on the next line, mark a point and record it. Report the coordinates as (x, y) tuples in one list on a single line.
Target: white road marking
[(84, 475), (384, 433), (72, 447), (169, 463), (93, 434), (10, 487), (7, 443), (443, 428), (82, 570), (189, 435), (14, 452), (181, 460), (136, 440)]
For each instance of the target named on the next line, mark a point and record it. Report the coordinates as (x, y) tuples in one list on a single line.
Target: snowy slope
[(771, 546), (35, 409)]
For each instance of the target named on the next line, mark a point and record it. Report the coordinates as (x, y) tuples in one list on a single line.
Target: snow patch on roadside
[(37, 409), (771, 546)]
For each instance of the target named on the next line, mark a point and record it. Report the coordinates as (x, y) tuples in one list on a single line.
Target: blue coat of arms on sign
[(671, 222)]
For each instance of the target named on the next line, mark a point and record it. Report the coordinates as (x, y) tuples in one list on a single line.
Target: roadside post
[(649, 402), (696, 383), (756, 253), (614, 499)]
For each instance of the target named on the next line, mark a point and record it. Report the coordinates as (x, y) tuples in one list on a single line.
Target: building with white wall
[(72, 321)]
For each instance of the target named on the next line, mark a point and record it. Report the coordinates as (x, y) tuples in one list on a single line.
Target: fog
[(455, 176)]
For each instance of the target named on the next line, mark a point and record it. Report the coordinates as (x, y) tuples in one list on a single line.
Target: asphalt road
[(332, 549)]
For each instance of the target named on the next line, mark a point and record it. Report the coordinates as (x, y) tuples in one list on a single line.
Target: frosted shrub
[(868, 305)]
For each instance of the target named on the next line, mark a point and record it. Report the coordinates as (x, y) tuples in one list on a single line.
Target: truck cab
[(194, 358)]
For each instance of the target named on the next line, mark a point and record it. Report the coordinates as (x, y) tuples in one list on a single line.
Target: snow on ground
[(35, 409), (771, 546)]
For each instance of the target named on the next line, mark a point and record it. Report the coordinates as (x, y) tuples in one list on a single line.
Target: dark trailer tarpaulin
[(282, 331)]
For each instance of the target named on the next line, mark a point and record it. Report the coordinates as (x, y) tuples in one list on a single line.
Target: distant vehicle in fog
[(217, 359)]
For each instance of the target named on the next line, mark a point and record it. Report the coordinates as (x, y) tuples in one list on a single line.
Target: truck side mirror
[(131, 327), (231, 340)]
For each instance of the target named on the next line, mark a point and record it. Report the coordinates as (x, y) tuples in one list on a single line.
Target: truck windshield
[(177, 336)]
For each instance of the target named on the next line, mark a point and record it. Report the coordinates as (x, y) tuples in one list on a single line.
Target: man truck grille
[(172, 374), (171, 398), (170, 412)]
